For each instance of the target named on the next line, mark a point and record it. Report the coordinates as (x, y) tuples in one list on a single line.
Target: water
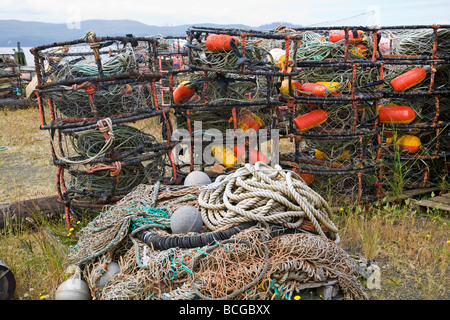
[(28, 55)]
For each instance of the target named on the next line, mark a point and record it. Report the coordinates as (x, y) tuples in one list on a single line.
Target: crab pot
[(103, 165), (10, 83), (235, 50), (216, 140), (96, 77), (109, 132)]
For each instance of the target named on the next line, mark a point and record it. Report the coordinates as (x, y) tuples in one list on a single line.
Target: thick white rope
[(266, 194)]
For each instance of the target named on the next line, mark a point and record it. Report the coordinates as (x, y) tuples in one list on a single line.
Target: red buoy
[(219, 42), (183, 92), (308, 178), (317, 89), (255, 155), (396, 114), (338, 35), (409, 79), (311, 119)]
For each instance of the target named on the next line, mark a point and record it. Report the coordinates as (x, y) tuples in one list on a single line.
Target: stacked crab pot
[(226, 98), (98, 101), (330, 113)]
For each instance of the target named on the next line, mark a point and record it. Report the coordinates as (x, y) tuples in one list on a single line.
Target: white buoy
[(196, 178), (186, 219), (73, 289), (111, 269)]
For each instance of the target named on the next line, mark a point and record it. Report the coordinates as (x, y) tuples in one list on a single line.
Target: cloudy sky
[(249, 12)]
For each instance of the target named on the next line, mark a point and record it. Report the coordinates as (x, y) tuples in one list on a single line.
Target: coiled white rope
[(266, 194)]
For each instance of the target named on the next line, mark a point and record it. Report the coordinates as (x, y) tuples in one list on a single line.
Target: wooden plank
[(408, 194), (16, 212), (433, 204), (441, 199)]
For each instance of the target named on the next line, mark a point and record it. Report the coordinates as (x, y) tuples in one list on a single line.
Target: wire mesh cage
[(230, 85), (11, 86), (397, 93), (108, 131)]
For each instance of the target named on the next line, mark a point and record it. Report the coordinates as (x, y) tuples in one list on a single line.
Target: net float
[(186, 219), (255, 155), (409, 143), (308, 178), (295, 85), (389, 140), (73, 288), (311, 119), (224, 155), (321, 156), (128, 89), (317, 89), (409, 79), (220, 42), (331, 86), (248, 120), (196, 178), (278, 56), (338, 35), (385, 45), (359, 50), (183, 92), (396, 114), (112, 269)]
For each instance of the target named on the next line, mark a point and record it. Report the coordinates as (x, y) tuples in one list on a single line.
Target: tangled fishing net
[(266, 245)]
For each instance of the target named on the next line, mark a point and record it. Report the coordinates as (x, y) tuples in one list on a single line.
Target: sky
[(248, 12)]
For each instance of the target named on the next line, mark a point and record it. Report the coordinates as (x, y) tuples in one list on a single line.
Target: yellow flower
[(71, 229), (428, 235), (69, 234), (42, 297), (342, 209), (297, 297)]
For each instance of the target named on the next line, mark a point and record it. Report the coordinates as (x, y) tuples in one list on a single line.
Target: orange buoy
[(338, 35), (183, 92), (317, 89), (310, 120), (321, 156), (408, 79), (396, 114), (359, 50), (308, 178), (248, 120), (389, 140), (224, 155), (255, 155), (295, 85), (220, 42), (331, 86), (409, 143)]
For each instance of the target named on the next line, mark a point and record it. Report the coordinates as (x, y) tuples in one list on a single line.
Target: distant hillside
[(31, 34)]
